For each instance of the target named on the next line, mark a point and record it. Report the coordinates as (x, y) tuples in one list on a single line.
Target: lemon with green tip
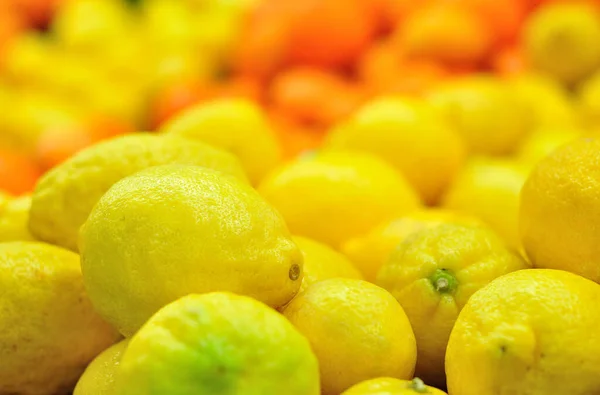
[(219, 344)]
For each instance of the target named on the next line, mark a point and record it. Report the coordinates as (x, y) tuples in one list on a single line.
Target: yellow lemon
[(489, 189), (218, 344), (334, 196), (561, 39), (544, 141), (66, 194), (369, 252), (547, 102), (49, 331), (588, 101), (14, 213), (391, 386), (560, 206), (322, 262), (357, 330), (409, 134), (485, 111), (529, 332), (174, 230), (236, 125), (433, 274), (100, 375)]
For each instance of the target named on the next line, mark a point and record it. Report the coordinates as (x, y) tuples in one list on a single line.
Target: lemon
[(391, 386), (529, 332), (560, 205), (547, 102), (357, 330), (370, 251), (14, 213), (561, 40), (488, 189), (66, 194), (49, 331), (334, 196), (236, 125), (433, 274), (100, 375), (173, 230), (485, 111), (588, 102), (544, 141), (218, 344), (322, 262), (410, 135)]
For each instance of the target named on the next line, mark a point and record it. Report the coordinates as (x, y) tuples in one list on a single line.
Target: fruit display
[(301, 197)]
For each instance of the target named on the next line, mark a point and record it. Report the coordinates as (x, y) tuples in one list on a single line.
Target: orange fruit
[(446, 33), (392, 12), (12, 23), (314, 96), (509, 61), (18, 173), (38, 12), (174, 98), (504, 17), (295, 138)]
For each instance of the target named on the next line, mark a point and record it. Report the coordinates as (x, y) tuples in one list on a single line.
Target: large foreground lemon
[(173, 230), (218, 344)]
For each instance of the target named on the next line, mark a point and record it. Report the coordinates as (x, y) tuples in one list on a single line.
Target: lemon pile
[(445, 244)]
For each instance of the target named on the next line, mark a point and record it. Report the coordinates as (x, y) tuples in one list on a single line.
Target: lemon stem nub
[(418, 385), (443, 281)]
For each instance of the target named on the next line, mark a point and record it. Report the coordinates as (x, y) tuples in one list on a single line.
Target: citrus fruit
[(236, 125), (14, 213), (18, 173), (370, 251), (444, 32), (488, 189), (218, 344), (348, 321), (484, 111), (559, 207), (334, 196), (561, 39), (409, 134), (48, 329), (99, 377), (545, 140), (522, 334), (433, 274), (391, 386), (65, 195), (322, 262), (199, 229), (588, 101), (545, 100)]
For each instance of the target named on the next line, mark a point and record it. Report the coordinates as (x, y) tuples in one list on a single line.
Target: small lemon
[(100, 375), (530, 332), (544, 141), (49, 331), (174, 230), (391, 386), (488, 189), (560, 207), (369, 252), (561, 39), (485, 111), (14, 214), (546, 101), (334, 196), (433, 274), (409, 134), (66, 194), (218, 344), (236, 125), (322, 262), (357, 330)]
